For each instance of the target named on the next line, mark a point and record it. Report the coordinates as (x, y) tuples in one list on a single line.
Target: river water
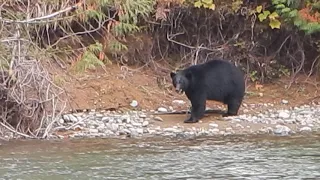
[(260, 157)]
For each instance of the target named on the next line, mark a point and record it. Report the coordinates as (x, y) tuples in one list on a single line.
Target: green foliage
[(303, 19), (132, 9), (306, 19), (128, 11), (253, 76), (123, 28), (116, 46), (89, 58)]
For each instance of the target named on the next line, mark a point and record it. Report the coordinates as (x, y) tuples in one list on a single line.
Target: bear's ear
[(172, 74), (188, 75)]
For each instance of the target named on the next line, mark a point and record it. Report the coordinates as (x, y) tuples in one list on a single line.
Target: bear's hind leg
[(233, 107), (197, 110)]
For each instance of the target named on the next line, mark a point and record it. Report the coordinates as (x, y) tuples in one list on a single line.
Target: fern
[(124, 28), (89, 59), (135, 8), (116, 46)]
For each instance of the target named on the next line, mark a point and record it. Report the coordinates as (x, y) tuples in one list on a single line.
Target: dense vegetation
[(267, 39)]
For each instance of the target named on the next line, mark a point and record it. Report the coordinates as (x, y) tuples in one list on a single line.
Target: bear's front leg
[(197, 110)]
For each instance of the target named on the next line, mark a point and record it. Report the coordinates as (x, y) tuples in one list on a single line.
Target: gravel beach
[(103, 124)]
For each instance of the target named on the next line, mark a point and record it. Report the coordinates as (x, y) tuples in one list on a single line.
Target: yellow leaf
[(212, 6), (205, 5), (266, 13), (209, 6), (197, 4), (259, 8), (262, 17), (207, 2), (274, 15), (274, 23)]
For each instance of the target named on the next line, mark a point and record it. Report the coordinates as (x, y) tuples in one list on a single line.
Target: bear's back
[(218, 78)]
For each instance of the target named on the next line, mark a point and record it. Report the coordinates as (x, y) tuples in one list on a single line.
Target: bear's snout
[(178, 88)]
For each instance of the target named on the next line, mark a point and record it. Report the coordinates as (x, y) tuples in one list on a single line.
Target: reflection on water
[(202, 158)]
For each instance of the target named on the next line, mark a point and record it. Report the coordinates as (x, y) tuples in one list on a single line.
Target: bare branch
[(35, 20)]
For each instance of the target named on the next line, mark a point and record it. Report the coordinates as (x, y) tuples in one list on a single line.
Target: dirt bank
[(116, 87)]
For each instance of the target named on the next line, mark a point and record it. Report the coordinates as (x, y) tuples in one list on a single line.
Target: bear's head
[(180, 80)]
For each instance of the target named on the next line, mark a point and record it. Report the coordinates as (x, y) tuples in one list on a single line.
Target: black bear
[(217, 80)]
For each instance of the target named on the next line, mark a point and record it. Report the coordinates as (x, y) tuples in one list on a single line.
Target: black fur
[(217, 80)]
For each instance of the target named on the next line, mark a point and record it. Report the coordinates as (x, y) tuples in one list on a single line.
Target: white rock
[(229, 129), (127, 131), (280, 129), (99, 115), (213, 125), (145, 123), (283, 114), (214, 130), (170, 130), (305, 129), (157, 118), (106, 119), (139, 130), (73, 118), (136, 124), (239, 126), (93, 130), (61, 121), (178, 102), (66, 117), (134, 103), (162, 109)]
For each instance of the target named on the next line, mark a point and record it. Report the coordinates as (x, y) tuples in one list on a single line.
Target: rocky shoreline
[(112, 124), (104, 124)]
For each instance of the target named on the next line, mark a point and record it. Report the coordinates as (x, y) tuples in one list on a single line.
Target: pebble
[(105, 119), (213, 125), (134, 103), (229, 129), (157, 118), (99, 115), (72, 118), (93, 130), (145, 123), (139, 131), (283, 114), (61, 121), (162, 109), (305, 129), (136, 124), (282, 130), (178, 102), (214, 130), (239, 126)]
